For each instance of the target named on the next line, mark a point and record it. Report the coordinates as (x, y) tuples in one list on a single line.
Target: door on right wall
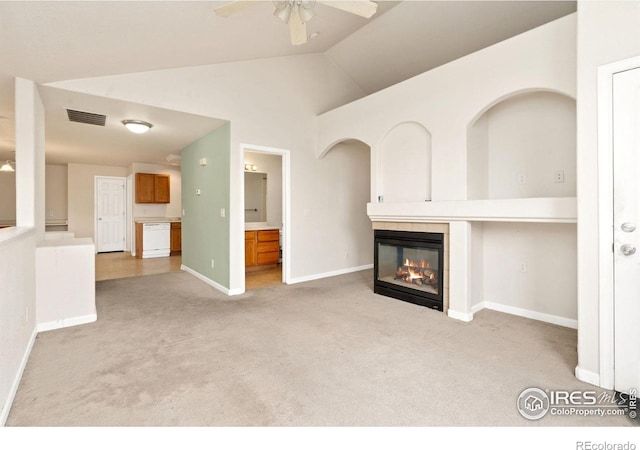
[(626, 220)]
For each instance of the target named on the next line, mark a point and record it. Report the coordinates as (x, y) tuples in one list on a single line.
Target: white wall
[(531, 135), (56, 193), (405, 164), (172, 209), (548, 281), (18, 245), (341, 189), (272, 166), (607, 32), (17, 310), (81, 195), (268, 109), (447, 99)]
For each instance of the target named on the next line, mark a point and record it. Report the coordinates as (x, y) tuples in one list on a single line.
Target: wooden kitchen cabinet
[(152, 188), (176, 238), (261, 248)]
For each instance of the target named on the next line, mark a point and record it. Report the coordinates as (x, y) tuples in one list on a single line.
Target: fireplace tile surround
[(425, 228)]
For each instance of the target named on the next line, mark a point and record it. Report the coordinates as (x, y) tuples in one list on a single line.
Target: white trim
[(16, 381), (605, 214), (587, 376), (64, 323), (210, 282), (477, 307), (333, 273), (286, 201), (543, 317), (465, 317)]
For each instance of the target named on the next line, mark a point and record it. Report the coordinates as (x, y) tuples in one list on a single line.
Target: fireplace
[(409, 266)]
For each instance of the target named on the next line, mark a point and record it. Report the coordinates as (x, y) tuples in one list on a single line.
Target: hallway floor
[(110, 266)]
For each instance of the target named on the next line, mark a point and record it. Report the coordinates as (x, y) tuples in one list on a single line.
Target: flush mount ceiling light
[(8, 167), (137, 126)]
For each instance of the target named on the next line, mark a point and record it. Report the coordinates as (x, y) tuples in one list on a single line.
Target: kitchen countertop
[(156, 219)]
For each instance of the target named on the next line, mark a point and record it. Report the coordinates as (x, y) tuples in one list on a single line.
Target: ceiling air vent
[(86, 117)]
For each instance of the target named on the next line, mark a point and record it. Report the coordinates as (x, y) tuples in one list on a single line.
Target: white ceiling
[(60, 40)]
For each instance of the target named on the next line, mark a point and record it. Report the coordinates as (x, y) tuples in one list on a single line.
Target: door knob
[(99, 218), (627, 249), (628, 227)]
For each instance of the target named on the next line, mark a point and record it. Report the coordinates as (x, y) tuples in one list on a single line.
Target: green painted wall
[(205, 235)]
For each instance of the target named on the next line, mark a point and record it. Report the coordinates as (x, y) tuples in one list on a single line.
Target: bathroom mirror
[(255, 197)]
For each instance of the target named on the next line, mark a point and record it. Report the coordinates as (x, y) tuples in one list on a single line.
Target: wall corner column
[(30, 160)]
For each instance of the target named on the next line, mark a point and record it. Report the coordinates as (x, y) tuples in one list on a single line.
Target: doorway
[(626, 161), (265, 202), (619, 281), (110, 218)]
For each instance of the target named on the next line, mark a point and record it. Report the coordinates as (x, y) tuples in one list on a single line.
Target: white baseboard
[(210, 282), (465, 317), (477, 307), (543, 317), (587, 376), (64, 323), (16, 381), (334, 273)]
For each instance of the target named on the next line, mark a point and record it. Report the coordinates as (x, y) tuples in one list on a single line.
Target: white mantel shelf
[(544, 210)]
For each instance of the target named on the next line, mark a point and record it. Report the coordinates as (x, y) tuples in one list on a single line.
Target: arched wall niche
[(343, 142), (404, 164), (523, 145)]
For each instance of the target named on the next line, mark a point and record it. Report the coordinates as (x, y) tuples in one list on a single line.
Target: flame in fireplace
[(422, 264), (416, 272)]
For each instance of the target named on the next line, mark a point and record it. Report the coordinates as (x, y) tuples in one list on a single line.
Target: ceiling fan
[(298, 12)]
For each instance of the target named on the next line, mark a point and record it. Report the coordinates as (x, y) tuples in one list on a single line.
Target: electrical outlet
[(558, 176), (523, 267), (213, 264), (522, 178), (197, 191), (183, 214), (223, 213)]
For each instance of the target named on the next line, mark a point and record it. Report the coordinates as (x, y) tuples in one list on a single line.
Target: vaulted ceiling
[(59, 40)]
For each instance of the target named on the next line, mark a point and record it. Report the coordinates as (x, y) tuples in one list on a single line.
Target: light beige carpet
[(170, 350)]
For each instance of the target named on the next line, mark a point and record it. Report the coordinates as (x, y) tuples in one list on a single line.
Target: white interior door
[(626, 162), (110, 214)]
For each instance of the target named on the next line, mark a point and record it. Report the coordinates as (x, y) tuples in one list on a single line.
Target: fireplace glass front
[(408, 266)]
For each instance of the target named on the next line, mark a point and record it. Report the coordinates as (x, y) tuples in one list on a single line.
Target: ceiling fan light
[(137, 126), (7, 167), (283, 11), (306, 14)]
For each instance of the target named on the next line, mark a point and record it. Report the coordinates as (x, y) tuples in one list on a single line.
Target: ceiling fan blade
[(297, 28), (363, 8), (233, 7)]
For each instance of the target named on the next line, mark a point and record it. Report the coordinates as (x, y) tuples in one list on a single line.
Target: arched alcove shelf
[(523, 146), (404, 164)]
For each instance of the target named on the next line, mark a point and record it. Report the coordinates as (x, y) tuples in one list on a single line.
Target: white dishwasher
[(156, 239)]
